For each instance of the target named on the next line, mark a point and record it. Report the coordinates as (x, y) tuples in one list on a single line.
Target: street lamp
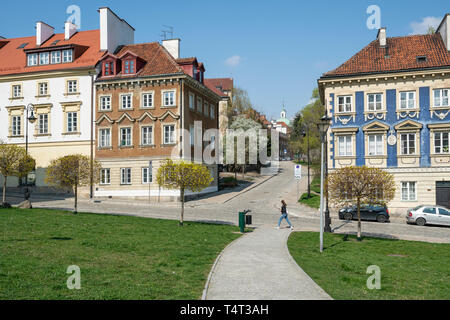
[(306, 134), (30, 118), (323, 125)]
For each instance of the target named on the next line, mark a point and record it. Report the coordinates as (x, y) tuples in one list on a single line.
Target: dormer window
[(108, 68), (67, 56), (44, 58), (32, 59), (129, 67), (421, 59)]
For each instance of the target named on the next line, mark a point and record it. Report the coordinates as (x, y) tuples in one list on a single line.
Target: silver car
[(423, 215)]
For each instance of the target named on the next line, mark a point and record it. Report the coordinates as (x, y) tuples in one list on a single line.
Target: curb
[(213, 268), (250, 188)]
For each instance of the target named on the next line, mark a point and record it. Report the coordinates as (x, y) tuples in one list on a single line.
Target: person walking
[(284, 215)]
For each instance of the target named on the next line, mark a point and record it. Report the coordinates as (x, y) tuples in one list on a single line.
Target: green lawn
[(313, 202), (120, 257), (409, 270)]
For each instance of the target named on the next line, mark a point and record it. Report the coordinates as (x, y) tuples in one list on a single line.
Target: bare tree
[(360, 185)]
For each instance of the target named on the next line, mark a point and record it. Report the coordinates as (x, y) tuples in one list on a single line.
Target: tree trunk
[(359, 220), (182, 208), (76, 200), (4, 190), (243, 172)]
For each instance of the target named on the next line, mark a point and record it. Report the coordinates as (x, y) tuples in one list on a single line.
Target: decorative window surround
[(42, 109), (71, 107), (345, 118), (409, 127), (338, 132), (442, 158), (375, 115), (376, 128), (442, 109)]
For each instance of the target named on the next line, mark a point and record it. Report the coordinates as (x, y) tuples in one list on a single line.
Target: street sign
[(298, 172)]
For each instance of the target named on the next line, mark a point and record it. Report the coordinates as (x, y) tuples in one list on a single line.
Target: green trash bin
[(242, 220)]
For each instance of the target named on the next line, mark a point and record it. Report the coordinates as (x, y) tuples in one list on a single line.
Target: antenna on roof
[(168, 30)]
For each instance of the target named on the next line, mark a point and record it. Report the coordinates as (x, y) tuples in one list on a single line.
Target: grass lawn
[(120, 257), (409, 270), (313, 202)]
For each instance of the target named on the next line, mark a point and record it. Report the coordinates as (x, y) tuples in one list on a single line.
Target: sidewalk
[(258, 266)]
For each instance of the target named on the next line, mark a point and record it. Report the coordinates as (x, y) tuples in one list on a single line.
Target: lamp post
[(30, 118), (323, 126)]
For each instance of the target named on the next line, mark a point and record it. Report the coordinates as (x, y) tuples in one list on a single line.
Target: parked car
[(368, 212), (426, 214)]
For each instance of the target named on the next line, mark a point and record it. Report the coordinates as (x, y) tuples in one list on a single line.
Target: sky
[(276, 50)]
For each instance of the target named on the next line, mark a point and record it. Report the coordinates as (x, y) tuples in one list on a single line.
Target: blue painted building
[(390, 105)]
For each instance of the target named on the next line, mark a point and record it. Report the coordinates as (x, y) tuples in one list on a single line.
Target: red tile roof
[(14, 61), (226, 84), (402, 55)]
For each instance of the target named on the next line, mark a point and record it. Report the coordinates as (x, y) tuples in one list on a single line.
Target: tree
[(360, 185), (14, 162), (183, 176), (71, 172), (241, 103)]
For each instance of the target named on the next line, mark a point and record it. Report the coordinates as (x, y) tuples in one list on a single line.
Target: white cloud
[(422, 27), (233, 61)]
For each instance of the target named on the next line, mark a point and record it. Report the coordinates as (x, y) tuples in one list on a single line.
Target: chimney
[(114, 31), (69, 30), (382, 37), (173, 46), (444, 31), (43, 32)]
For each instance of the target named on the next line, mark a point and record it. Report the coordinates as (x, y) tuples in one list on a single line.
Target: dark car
[(368, 212)]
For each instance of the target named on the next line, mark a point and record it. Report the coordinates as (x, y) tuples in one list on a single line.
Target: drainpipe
[(91, 193)]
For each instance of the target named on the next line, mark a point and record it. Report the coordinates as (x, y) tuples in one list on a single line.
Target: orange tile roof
[(14, 61), (225, 83), (402, 56)]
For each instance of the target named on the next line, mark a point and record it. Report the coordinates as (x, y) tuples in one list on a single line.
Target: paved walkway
[(258, 266)]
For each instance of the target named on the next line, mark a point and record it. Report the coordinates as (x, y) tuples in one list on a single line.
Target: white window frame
[(147, 176), (16, 126), (125, 176), (105, 177), (172, 138), (104, 138), (43, 123), (347, 149), (410, 103), (17, 91), (55, 57), (105, 103), (41, 85), (128, 139), (72, 122), (129, 101), (408, 141), (147, 135), (44, 58), (439, 137), (375, 103), (345, 104), (375, 144), (441, 99), (171, 100), (411, 191), (72, 86), (67, 56), (32, 59), (148, 97)]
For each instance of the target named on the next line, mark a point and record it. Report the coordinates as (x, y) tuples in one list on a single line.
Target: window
[(345, 146), (192, 134), (105, 176), (206, 109), (32, 59), (169, 134), (44, 58), (407, 100), (72, 86), (105, 103), (376, 145), (125, 137), (444, 212), (105, 138), (429, 210), (129, 67), (345, 104), (441, 98), (441, 142), (56, 57), (109, 68), (147, 176), (375, 102), (199, 104), (169, 99), (147, 136), (43, 123), (16, 126), (147, 100), (125, 176), (43, 88), (72, 122), (212, 112), (17, 91), (191, 101), (408, 143), (409, 191), (67, 56), (126, 101)]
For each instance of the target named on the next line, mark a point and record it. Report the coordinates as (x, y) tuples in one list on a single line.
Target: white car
[(424, 214)]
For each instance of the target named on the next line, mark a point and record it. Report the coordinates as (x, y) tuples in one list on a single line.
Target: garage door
[(443, 193)]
